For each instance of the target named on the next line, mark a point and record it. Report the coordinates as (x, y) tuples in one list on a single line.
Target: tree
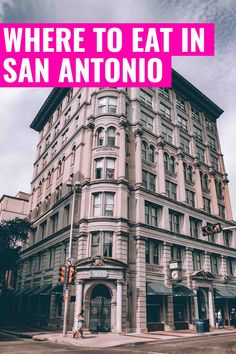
[(12, 234)]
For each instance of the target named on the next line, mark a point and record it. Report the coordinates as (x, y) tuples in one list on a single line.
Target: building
[(151, 174), (14, 207)]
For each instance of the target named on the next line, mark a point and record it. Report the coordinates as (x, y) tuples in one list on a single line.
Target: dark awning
[(31, 290), (182, 290), (225, 292), (22, 291), (43, 290), (158, 288), (57, 289)]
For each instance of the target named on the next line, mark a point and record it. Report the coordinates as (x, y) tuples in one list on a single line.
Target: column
[(138, 156), (211, 308), (161, 167), (228, 208), (119, 306), (166, 260), (207, 262), (214, 200), (223, 268), (195, 302), (189, 265), (181, 179), (122, 151), (88, 148), (141, 308), (78, 301), (198, 186), (122, 239)]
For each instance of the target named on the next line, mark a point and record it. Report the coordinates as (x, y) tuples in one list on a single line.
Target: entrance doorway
[(202, 304), (100, 309)]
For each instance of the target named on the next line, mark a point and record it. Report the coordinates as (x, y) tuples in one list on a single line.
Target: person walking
[(220, 319), (80, 326)]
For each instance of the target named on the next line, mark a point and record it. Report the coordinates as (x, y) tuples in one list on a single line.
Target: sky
[(214, 76)]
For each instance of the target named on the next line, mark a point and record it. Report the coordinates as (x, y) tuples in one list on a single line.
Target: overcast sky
[(214, 76)]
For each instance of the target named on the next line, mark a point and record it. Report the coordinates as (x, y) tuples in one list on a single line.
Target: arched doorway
[(100, 309), (202, 304)]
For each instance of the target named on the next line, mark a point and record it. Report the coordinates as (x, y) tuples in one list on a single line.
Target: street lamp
[(74, 187)]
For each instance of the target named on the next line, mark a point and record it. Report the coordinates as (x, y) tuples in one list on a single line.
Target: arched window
[(100, 137), (166, 161), (151, 154), (172, 164), (73, 155), (185, 171), (144, 150), (219, 188), (127, 144), (190, 173), (111, 136)]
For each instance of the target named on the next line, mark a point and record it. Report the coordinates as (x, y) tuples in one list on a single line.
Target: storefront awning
[(225, 292), (43, 290), (22, 291), (158, 288), (31, 290), (57, 289), (182, 290)]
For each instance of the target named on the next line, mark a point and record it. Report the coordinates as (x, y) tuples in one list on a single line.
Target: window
[(227, 238), (100, 137), (51, 258), (149, 181), (214, 162), (152, 253), (49, 178), (200, 153), (42, 230), (219, 189), (230, 264), (146, 98), (38, 209), (169, 163), (54, 223), (147, 121), (104, 168), (188, 173), (182, 122), (66, 215), (148, 154), (79, 100), (151, 154), (47, 141), (69, 95), (102, 244), (107, 105), (180, 103), (171, 190), (54, 150), (198, 258), (144, 150), (209, 125), (64, 137), (174, 221), (61, 166), (207, 205), (151, 214), (190, 198), (221, 211), (184, 144), (103, 204), (214, 264), (38, 263), (204, 181), (177, 253), (73, 152), (47, 202), (164, 92), (167, 134), (194, 227), (67, 115), (58, 193), (195, 114), (197, 133), (212, 235), (59, 109), (211, 143), (111, 136), (165, 111)]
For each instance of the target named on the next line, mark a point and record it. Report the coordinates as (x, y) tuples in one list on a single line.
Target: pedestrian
[(220, 319), (80, 326), (233, 317)]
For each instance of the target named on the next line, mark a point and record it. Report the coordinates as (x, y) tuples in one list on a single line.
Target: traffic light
[(72, 275), (62, 273), (211, 229)]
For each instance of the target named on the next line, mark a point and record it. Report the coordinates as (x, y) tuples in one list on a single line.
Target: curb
[(20, 335)]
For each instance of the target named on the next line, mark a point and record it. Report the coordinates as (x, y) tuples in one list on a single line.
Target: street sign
[(70, 262)]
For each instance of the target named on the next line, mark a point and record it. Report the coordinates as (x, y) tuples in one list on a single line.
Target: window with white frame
[(174, 221), (211, 143), (210, 125), (152, 251), (103, 204), (147, 121), (182, 123), (197, 133), (171, 190), (190, 198), (167, 134), (151, 213), (149, 180), (146, 98), (107, 105), (102, 244), (165, 111), (104, 168), (184, 144), (180, 103), (100, 137), (111, 136), (195, 114)]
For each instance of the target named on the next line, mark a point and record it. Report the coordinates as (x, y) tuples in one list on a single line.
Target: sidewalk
[(111, 339)]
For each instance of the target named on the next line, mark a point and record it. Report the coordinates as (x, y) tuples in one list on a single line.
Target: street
[(220, 344)]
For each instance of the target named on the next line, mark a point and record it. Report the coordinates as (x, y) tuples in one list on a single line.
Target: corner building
[(151, 174)]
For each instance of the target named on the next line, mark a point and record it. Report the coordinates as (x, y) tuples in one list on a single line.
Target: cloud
[(214, 76)]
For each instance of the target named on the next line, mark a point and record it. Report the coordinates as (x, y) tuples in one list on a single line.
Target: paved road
[(210, 344)]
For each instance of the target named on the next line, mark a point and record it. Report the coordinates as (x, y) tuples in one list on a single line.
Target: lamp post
[(66, 295)]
